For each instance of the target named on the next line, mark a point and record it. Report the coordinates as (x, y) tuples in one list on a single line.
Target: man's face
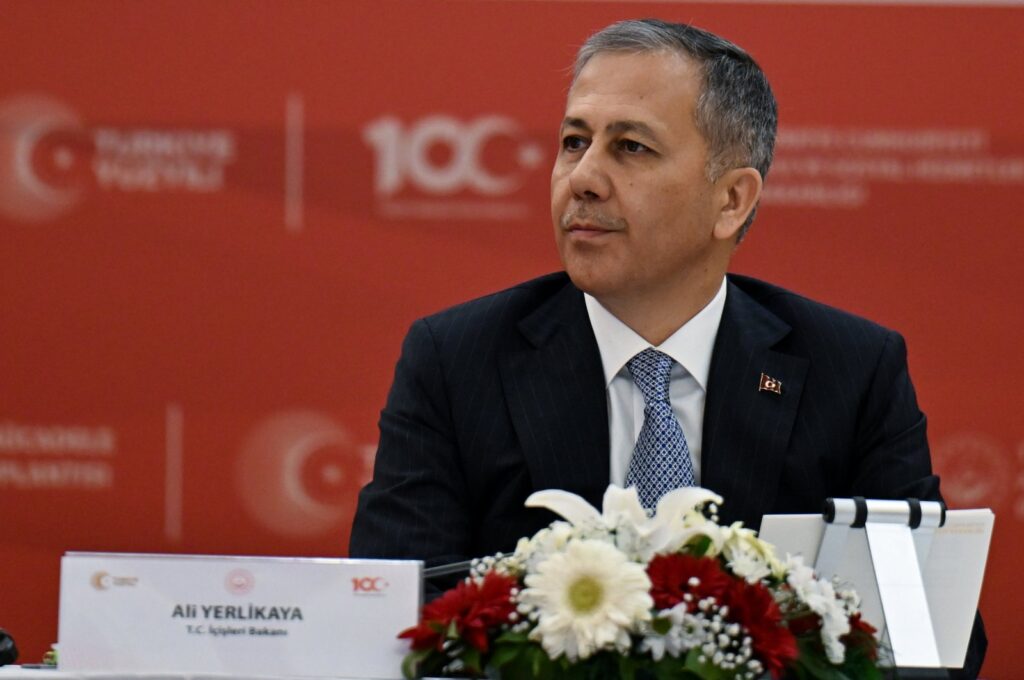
[(632, 207)]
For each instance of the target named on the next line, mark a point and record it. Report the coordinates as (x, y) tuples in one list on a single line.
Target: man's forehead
[(655, 67), (633, 86)]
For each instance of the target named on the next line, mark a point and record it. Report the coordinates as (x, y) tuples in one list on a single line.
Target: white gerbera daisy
[(586, 599)]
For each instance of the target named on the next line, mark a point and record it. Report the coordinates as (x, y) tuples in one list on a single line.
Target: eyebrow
[(618, 127)]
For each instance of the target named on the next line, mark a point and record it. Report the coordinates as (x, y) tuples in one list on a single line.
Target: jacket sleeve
[(414, 508), (896, 462)]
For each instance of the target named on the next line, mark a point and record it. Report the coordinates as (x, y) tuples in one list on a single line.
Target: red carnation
[(805, 623), (752, 606), (670, 579), (470, 607), (861, 636)]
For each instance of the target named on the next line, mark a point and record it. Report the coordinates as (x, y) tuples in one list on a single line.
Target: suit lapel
[(747, 429), (554, 387)]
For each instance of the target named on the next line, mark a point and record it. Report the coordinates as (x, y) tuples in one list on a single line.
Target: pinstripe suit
[(505, 395)]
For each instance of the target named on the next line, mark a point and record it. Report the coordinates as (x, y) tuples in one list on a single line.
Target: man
[(771, 400)]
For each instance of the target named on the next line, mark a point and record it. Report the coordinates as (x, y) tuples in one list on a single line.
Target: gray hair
[(736, 111)]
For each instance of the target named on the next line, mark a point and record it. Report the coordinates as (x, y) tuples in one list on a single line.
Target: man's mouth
[(577, 227), (586, 233), (591, 225)]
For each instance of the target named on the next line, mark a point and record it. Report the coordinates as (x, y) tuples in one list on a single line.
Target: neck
[(655, 315)]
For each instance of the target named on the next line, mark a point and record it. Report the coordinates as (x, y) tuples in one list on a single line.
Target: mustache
[(588, 215)]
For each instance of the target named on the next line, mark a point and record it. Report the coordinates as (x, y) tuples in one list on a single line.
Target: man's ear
[(739, 189)]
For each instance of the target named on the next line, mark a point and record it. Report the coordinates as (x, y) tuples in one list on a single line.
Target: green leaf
[(627, 668), (412, 661), (858, 665), (816, 666), (670, 668), (503, 654), (511, 654), (813, 664), (705, 670), (516, 657), (698, 546), (513, 636), (541, 665), (471, 658)]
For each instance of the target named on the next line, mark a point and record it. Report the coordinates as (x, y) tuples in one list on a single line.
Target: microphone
[(8, 650), (431, 573)]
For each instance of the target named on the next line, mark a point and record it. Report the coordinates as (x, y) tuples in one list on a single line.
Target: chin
[(594, 283), (593, 273)]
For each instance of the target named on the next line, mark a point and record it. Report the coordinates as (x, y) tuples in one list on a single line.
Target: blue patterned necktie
[(661, 459)]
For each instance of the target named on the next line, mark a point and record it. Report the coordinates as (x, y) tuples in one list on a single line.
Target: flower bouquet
[(622, 594)]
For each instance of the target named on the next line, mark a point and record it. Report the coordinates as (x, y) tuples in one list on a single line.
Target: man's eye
[(631, 146), (573, 143)]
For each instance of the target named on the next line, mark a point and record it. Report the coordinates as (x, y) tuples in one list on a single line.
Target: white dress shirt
[(690, 346)]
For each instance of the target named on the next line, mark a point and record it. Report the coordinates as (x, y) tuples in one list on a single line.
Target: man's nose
[(589, 179)]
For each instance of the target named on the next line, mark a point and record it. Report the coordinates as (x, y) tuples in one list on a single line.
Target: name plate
[(236, 615)]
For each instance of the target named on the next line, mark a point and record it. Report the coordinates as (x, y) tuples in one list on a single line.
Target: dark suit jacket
[(503, 396)]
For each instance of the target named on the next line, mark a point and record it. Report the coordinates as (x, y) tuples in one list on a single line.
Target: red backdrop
[(218, 219)]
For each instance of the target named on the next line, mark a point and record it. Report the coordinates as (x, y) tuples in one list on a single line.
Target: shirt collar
[(690, 346)]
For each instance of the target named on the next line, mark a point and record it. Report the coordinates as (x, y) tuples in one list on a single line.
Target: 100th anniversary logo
[(440, 167), (50, 158)]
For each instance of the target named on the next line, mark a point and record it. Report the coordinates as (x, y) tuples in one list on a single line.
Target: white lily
[(748, 556), (675, 521)]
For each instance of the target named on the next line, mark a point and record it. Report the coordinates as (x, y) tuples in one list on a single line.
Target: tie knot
[(651, 370)]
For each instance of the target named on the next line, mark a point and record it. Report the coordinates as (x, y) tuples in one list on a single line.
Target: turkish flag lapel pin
[(769, 384)]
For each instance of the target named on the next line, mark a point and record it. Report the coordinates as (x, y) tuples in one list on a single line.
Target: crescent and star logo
[(102, 580), (299, 472), (43, 152), (49, 159)]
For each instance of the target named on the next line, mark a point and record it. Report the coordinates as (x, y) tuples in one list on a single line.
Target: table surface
[(22, 673)]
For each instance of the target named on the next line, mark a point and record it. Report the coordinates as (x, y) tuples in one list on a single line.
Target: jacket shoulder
[(504, 306), (803, 313)]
